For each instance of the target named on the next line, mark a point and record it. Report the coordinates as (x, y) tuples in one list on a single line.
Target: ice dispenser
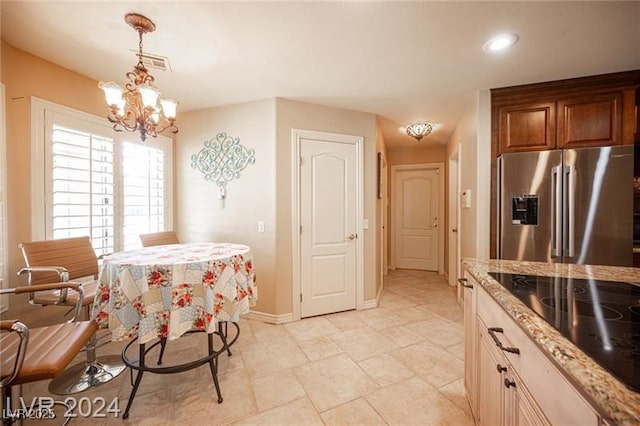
[(524, 210)]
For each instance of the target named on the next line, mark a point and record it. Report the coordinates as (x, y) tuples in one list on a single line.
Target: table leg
[(223, 336), (213, 365), (137, 383), (163, 344)]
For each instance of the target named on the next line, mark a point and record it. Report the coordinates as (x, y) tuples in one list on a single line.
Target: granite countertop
[(610, 397)]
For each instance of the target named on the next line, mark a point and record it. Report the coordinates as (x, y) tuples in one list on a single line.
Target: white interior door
[(416, 218), (328, 239)]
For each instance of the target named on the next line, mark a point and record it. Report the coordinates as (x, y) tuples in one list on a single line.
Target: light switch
[(465, 201), (260, 226), (365, 223)]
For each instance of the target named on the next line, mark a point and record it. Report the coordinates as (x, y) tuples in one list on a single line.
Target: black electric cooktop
[(602, 318)]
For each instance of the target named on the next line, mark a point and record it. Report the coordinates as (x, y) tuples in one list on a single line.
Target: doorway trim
[(454, 215), (358, 141), (429, 166)]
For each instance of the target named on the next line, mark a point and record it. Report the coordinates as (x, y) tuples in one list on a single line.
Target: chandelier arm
[(170, 127), (119, 121)]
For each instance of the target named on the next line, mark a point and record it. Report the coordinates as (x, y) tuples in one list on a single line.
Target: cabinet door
[(491, 389), (527, 127), (470, 346), (522, 408), (591, 120)]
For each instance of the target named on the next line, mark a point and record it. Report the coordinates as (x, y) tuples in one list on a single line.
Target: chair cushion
[(49, 351)]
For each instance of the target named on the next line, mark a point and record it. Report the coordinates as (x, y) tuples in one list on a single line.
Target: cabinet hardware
[(463, 283), (508, 383), (492, 332), (500, 368)]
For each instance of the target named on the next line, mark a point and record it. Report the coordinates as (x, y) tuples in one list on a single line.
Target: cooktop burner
[(602, 318)]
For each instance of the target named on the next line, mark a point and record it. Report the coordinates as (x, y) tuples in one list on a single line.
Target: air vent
[(155, 62)]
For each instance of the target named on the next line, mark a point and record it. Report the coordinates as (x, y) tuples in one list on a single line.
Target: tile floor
[(401, 364)]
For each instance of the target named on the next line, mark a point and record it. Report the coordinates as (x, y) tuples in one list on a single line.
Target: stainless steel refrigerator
[(569, 206)]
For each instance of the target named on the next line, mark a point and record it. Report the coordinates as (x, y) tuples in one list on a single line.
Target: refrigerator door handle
[(569, 177), (556, 212)]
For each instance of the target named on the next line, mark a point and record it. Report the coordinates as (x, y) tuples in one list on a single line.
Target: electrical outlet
[(365, 223), (260, 226)]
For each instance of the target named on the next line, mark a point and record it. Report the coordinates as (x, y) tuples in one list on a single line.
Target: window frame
[(4, 239), (42, 119)]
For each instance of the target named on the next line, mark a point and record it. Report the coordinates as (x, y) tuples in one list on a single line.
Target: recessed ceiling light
[(500, 42)]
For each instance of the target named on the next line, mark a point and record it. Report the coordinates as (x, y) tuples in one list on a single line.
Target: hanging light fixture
[(419, 130), (138, 106)]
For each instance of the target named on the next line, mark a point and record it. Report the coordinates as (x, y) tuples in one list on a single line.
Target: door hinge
[(301, 160), (300, 229), (300, 297)]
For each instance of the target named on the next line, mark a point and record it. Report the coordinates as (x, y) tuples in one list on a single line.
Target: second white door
[(328, 174), (416, 195)]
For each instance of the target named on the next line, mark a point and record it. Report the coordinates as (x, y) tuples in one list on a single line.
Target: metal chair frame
[(81, 262), (15, 326)]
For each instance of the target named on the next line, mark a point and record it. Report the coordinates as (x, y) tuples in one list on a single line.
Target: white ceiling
[(404, 61)]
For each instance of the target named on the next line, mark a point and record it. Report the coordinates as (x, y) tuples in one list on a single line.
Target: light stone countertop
[(610, 397)]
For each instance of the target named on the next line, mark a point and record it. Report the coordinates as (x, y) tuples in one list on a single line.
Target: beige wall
[(25, 75), (472, 136), (381, 203), (298, 115), (430, 154), (483, 173), (201, 216), (263, 191)]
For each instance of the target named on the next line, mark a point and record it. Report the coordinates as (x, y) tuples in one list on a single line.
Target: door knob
[(352, 237)]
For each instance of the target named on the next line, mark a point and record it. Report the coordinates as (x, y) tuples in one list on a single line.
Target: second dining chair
[(63, 260), (159, 239), (31, 354)]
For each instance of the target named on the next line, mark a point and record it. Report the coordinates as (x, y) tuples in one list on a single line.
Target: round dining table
[(159, 293), (164, 291)]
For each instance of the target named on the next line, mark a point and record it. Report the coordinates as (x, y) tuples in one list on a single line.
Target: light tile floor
[(399, 364)]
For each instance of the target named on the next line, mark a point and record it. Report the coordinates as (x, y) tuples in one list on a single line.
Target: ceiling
[(405, 61)]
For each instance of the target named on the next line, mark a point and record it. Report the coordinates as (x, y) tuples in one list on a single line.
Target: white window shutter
[(82, 187), (143, 190)]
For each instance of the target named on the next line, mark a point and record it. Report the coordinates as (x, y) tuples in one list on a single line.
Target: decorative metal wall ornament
[(222, 159)]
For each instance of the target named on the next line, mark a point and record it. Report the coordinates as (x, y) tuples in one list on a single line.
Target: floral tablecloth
[(164, 291)]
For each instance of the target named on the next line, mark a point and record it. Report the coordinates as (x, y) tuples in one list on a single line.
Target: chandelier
[(138, 106), (419, 130)]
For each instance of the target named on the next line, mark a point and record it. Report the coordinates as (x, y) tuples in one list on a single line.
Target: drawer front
[(558, 399)]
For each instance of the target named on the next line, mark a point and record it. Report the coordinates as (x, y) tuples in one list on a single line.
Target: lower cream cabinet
[(502, 397), (509, 380), (467, 288)]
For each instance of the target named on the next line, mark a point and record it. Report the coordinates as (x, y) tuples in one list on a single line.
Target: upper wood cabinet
[(577, 113), (594, 120), (528, 127)]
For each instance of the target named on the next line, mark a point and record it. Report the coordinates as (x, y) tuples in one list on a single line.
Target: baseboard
[(446, 276), (269, 318), (374, 303)]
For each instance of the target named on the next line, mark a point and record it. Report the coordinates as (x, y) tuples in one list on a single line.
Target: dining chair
[(159, 238), (32, 354), (63, 260)]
